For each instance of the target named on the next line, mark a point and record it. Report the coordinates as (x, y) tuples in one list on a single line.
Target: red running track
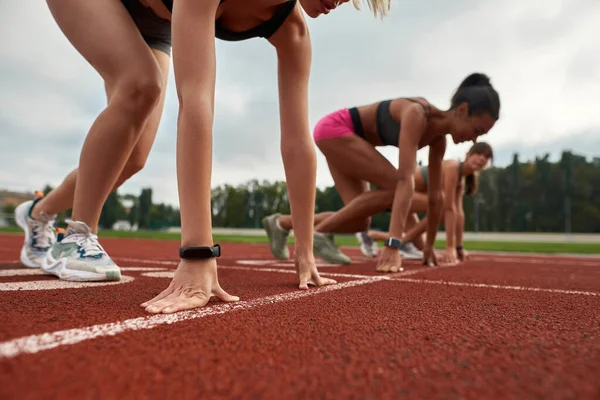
[(496, 327)]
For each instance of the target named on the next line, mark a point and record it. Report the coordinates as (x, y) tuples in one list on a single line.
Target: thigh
[(355, 158), (347, 186), (103, 32), (419, 203)]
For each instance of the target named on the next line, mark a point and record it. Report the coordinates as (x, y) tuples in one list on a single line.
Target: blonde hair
[(379, 7)]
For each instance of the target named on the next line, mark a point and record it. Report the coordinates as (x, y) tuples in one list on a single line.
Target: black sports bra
[(264, 30), (388, 129)]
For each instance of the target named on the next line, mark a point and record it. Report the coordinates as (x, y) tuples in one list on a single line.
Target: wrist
[(392, 242)]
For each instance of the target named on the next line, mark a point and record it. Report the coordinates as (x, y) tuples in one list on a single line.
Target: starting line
[(42, 342)]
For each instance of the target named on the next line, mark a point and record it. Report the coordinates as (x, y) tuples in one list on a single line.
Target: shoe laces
[(43, 232), (83, 237)]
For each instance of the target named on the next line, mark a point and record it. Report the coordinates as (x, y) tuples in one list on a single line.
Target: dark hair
[(479, 94), (472, 180)]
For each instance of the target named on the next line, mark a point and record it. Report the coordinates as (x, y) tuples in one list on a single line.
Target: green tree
[(145, 205), (9, 211), (112, 211)]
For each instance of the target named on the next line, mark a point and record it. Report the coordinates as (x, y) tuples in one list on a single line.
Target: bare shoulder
[(292, 33), (402, 109), (450, 164), (450, 168)]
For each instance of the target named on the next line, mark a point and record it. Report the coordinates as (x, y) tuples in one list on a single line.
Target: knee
[(139, 94)]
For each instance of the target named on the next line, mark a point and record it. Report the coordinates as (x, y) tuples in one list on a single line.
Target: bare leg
[(413, 235), (379, 236), (103, 32), (61, 198), (285, 221), (412, 221), (356, 215)]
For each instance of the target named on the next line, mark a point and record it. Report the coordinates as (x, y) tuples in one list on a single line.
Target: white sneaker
[(367, 245), (409, 251), (39, 234), (79, 257)]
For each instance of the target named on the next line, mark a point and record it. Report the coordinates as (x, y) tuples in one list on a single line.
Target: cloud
[(542, 56)]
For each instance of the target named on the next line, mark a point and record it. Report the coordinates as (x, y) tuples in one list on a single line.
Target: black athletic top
[(388, 129), (264, 30)]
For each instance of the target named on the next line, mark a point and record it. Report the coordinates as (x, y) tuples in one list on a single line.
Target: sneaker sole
[(59, 268), (267, 226), (22, 223), (338, 258), (410, 256)]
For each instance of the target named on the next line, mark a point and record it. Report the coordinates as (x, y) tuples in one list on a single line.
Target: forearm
[(299, 160), (450, 224), (401, 205), (194, 166), (460, 228), (194, 67), (433, 219)]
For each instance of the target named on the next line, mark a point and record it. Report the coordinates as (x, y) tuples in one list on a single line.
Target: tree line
[(530, 196)]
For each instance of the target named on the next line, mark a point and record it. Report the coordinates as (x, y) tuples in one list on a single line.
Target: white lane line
[(22, 272), (286, 264), (519, 260), (39, 272), (57, 284), (287, 271), (46, 341), (143, 261), (492, 286), (422, 270), (170, 274), (563, 256)]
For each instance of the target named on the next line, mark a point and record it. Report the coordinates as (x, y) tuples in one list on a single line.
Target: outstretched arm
[(293, 46), (451, 178), (412, 128), (195, 281), (434, 197), (460, 224)]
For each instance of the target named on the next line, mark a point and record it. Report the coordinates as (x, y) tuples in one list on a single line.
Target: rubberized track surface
[(495, 327)]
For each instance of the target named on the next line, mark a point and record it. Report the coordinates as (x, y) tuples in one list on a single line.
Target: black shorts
[(155, 30)]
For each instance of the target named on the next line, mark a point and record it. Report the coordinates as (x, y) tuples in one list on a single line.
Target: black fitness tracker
[(199, 252), (393, 243)]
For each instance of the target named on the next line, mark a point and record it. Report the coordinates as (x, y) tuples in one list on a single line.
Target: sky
[(543, 57)]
